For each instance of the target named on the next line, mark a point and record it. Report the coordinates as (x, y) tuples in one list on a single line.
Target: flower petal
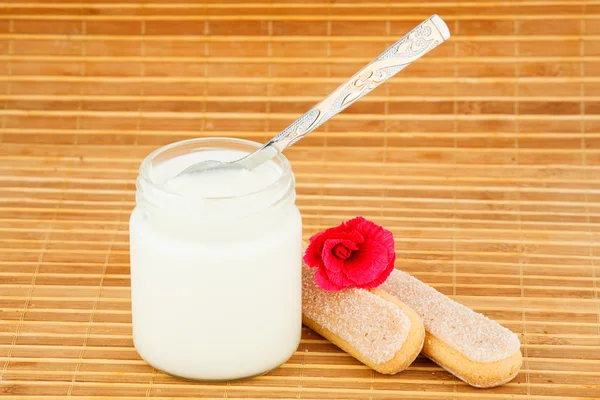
[(312, 255), (352, 225), (380, 279), (324, 283), (339, 278), (372, 231), (367, 263), (342, 252), (330, 261), (351, 236)]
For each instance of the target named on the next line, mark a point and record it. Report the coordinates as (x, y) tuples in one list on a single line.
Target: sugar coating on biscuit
[(473, 334), (376, 328)]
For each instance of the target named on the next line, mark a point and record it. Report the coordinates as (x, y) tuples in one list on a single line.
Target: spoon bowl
[(248, 162)]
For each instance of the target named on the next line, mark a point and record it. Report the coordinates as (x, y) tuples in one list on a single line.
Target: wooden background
[(483, 159)]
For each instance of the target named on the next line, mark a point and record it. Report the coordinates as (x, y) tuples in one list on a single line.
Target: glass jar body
[(216, 298)]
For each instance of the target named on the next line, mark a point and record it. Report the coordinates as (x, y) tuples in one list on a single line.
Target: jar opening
[(150, 169), (237, 192)]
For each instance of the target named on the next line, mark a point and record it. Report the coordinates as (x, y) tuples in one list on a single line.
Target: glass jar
[(215, 281)]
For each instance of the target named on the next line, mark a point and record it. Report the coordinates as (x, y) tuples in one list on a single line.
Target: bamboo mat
[(483, 158)]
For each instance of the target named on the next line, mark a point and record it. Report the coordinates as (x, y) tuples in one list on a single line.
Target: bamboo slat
[(483, 159)]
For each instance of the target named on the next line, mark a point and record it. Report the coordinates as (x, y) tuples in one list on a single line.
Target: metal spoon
[(418, 42)]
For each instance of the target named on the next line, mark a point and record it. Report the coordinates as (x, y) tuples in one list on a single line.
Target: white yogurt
[(215, 269)]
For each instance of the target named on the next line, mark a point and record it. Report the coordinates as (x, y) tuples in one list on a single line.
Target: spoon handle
[(418, 42)]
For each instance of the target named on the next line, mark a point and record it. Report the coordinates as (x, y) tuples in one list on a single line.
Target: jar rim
[(146, 166)]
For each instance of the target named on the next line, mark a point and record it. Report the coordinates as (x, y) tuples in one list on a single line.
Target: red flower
[(357, 253)]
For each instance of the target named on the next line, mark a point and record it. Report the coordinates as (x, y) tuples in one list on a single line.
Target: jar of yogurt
[(215, 263)]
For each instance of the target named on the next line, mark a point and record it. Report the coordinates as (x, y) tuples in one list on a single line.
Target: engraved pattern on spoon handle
[(418, 42)]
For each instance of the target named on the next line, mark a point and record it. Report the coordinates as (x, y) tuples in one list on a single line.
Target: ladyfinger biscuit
[(467, 344), (372, 326)]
